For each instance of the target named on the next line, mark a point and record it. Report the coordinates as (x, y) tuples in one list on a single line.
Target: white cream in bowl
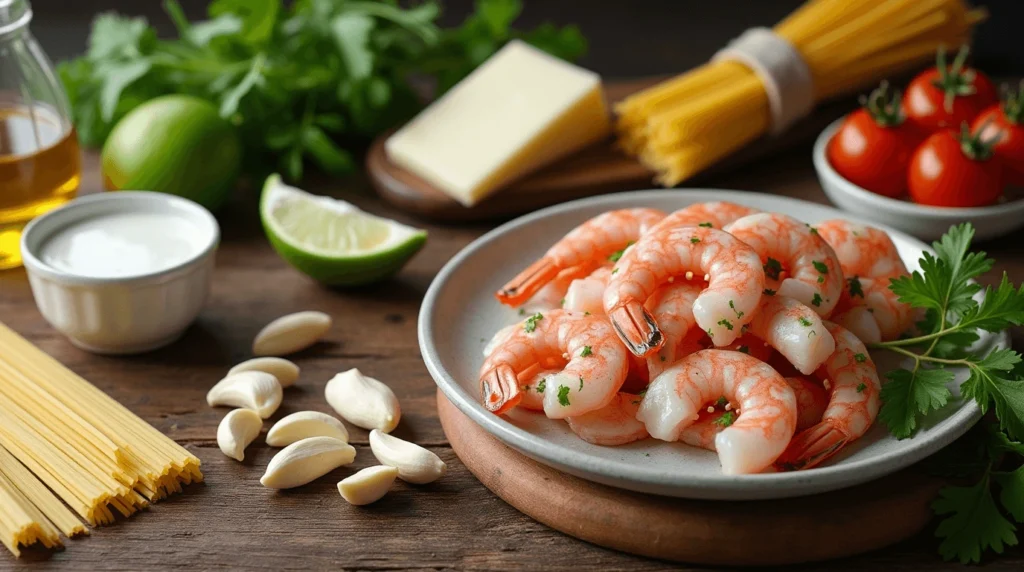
[(121, 272)]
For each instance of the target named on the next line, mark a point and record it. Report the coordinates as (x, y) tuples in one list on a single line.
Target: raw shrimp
[(671, 306), (592, 364), (811, 401), (587, 294), (869, 260), (588, 246), (794, 330), (613, 424), (766, 403), (797, 262), (715, 214), (732, 269), (853, 386)]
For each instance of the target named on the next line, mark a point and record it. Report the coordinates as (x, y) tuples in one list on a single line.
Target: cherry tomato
[(944, 97), (872, 148), (955, 170), (1005, 124)]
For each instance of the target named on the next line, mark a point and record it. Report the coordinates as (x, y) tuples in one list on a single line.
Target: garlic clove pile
[(363, 401)]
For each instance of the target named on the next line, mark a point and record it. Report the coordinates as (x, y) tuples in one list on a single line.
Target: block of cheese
[(519, 111)]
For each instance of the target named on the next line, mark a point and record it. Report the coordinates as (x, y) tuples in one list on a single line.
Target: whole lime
[(175, 144)]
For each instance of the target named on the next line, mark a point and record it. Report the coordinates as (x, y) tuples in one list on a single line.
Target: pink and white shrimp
[(869, 260), (592, 364), (766, 403), (797, 262), (614, 424), (714, 214), (587, 294), (732, 269), (532, 383), (671, 306), (794, 330), (811, 401), (852, 382), (550, 297), (586, 246)]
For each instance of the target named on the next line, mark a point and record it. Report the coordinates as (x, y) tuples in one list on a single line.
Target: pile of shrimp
[(726, 328)]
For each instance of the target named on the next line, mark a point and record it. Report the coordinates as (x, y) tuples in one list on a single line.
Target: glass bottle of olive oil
[(40, 162)]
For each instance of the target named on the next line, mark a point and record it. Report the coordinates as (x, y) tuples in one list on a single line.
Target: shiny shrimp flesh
[(852, 382), (862, 250), (613, 424), (671, 306), (767, 406), (591, 360), (714, 214), (732, 269), (587, 246), (811, 401), (797, 262), (587, 294), (794, 330), (532, 383)]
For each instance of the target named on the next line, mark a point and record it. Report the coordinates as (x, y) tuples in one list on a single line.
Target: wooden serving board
[(601, 168), (773, 532)]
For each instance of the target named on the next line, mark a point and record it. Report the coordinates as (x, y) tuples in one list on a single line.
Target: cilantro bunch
[(307, 83), (946, 290)]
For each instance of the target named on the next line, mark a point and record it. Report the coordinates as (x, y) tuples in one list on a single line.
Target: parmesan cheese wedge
[(520, 110)]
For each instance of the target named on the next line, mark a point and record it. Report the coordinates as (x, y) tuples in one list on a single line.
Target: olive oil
[(40, 169)]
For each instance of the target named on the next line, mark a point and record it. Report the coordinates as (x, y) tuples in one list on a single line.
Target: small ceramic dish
[(922, 221), (459, 315), (144, 286)]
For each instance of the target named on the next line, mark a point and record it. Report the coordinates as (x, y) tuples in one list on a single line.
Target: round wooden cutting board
[(775, 532)]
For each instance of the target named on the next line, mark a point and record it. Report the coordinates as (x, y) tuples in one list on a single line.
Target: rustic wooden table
[(456, 523)]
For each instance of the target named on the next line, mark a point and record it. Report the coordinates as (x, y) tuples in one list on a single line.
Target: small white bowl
[(922, 221), (123, 315)]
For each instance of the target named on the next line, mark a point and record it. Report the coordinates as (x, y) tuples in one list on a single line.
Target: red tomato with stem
[(955, 170), (1005, 125), (872, 148), (944, 97)]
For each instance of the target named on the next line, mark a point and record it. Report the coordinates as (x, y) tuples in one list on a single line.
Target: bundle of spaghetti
[(687, 123), (92, 453), (31, 512)]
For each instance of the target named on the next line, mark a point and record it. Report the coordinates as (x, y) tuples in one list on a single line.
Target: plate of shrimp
[(693, 343)]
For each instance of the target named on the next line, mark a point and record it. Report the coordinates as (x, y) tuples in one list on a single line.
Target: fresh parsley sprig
[(945, 288)]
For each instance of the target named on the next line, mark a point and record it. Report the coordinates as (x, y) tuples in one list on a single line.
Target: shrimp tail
[(499, 388), (527, 282), (637, 329), (812, 446)]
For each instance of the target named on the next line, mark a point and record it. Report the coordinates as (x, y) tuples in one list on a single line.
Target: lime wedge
[(333, 241)]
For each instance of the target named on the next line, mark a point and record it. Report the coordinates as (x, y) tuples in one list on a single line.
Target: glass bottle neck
[(14, 15)]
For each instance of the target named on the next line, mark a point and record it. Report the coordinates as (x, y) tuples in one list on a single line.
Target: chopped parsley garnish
[(710, 335), (562, 303), (531, 323), (812, 229), (820, 266), (768, 292), (816, 301), (722, 402), (855, 288), (663, 358), (772, 268), (861, 388), (743, 349), (543, 384), (805, 322), (615, 270), (586, 352), (586, 313), (563, 395), (581, 383), (861, 358), (727, 419), (733, 306), (694, 240), (706, 225), (522, 311), (726, 323), (615, 256)]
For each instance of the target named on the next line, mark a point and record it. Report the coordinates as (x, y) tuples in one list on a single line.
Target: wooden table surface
[(456, 523)]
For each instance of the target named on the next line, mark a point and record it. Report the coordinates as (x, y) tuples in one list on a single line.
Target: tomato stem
[(886, 111), (1013, 104), (973, 146), (954, 80)]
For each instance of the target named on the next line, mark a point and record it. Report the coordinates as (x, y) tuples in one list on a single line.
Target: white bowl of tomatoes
[(946, 152)]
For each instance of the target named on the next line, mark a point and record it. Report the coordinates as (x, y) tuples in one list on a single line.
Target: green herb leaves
[(974, 523), (531, 323), (303, 82)]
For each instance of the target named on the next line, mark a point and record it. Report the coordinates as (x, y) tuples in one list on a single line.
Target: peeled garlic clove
[(363, 401), (291, 333), (414, 463), (238, 428), (255, 390), (305, 424), (285, 371), (368, 485), (305, 461)]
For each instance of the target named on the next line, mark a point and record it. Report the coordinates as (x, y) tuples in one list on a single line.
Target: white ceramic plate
[(459, 314)]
